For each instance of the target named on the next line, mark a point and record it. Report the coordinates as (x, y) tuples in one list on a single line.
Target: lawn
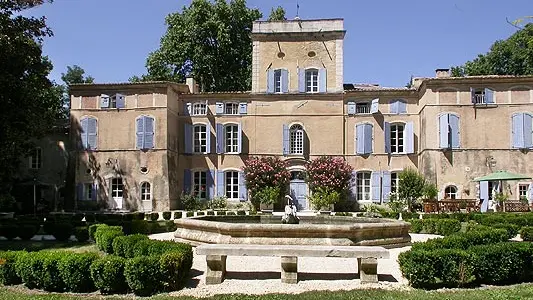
[(42, 245), (520, 291)]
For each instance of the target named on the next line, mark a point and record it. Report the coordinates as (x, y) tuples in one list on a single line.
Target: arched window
[(146, 191), (450, 192), (311, 81), (296, 139)]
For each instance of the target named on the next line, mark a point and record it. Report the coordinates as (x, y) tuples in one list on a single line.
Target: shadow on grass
[(16, 245)]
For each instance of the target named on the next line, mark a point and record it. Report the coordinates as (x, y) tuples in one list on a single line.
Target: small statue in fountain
[(290, 212)]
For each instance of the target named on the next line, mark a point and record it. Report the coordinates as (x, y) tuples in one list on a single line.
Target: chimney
[(442, 73), (193, 86)]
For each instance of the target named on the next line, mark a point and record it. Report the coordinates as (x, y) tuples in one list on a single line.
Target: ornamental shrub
[(173, 269), (464, 240), (268, 195), (140, 227), (81, 234), (92, 230), (210, 213), (166, 215), (447, 226), (27, 231), (40, 270), (178, 215), (261, 172), (190, 214), (171, 226), (324, 198), (331, 173), (416, 225), (123, 246), (62, 231), (143, 275), (8, 274), (104, 237), (526, 233), (73, 269), (154, 216), (108, 274), (138, 216)]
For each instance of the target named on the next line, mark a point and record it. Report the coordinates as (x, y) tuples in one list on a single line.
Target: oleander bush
[(526, 233), (8, 274), (108, 274), (143, 275), (73, 269)]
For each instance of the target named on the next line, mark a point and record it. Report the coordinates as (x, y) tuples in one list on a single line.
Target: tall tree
[(209, 41), (277, 14), (30, 102), (513, 56), (74, 74)]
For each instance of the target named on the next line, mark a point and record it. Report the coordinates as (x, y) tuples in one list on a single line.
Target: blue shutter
[(527, 131), (220, 138), (518, 130), (401, 106), (444, 143), (454, 131), (187, 136), (354, 185), (84, 133), (284, 81), (148, 132), (187, 106), (79, 190), (322, 80), (94, 191), (187, 181), (104, 101), (409, 138), (386, 129), (351, 108), (120, 101), (285, 140), (243, 192), (270, 81), (473, 95), (239, 138), (530, 193), (208, 138), (210, 183), (92, 132), (376, 186), (374, 107), (484, 195), (140, 132), (368, 138), (220, 184), (489, 96), (359, 139), (301, 80), (243, 108), (219, 108), (394, 107), (386, 185)]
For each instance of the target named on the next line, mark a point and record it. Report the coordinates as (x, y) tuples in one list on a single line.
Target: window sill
[(485, 105), (231, 153)]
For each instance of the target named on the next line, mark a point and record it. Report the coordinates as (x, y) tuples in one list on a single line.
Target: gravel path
[(314, 274)]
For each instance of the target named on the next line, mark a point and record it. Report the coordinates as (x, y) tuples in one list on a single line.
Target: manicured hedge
[(178, 215), (73, 268), (124, 245), (435, 226), (8, 274), (140, 226), (108, 274), (166, 215), (143, 275), (464, 240), (526, 233), (154, 216), (81, 233), (40, 270), (105, 235)]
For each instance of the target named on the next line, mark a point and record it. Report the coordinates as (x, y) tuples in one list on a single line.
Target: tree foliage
[(411, 186), (30, 102), (513, 56), (75, 74), (209, 41), (277, 14)]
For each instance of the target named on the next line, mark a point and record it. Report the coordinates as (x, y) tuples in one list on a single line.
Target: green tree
[(277, 14), (411, 187), (75, 74), (209, 41), (513, 56), (31, 104)]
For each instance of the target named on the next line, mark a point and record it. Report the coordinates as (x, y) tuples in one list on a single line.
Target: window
[(296, 139), (311, 81), (522, 131), (479, 97), (200, 138), (492, 185), (277, 81), (145, 132), (88, 191), (522, 191), (449, 131), (398, 106), (231, 108), (450, 192), (362, 107), (117, 188), (394, 182), (36, 159), (363, 186), (396, 138), (146, 192), (89, 133), (232, 185), (232, 138), (200, 184), (199, 109), (482, 96)]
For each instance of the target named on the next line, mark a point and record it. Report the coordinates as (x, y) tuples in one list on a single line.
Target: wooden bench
[(216, 254)]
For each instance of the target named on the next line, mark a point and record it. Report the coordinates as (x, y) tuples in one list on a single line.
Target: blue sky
[(386, 42)]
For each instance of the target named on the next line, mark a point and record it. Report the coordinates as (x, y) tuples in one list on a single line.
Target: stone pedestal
[(216, 269), (289, 269), (368, 270)]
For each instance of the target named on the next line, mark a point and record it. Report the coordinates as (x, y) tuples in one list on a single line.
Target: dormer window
[(199, 109), (231, 108), (362, 107), (481, 96), (115, 101)]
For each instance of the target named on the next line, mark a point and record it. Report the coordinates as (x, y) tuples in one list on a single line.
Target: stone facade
[(298, 109)]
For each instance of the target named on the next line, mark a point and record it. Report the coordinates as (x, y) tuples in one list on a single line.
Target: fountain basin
[(312, 230)]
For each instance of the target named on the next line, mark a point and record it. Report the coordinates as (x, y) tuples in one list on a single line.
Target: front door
[(117, 193), (298, 189)]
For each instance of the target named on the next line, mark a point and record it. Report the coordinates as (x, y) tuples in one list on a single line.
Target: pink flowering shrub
[(265, 172), (329, 173)]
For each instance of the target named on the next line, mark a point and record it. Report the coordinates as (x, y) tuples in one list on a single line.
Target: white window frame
[(199, 184), (448, 194), (362, 184), (277, 81), (311, 80), (362, 108), (479, 96), (116, 191), (231, 138), (146, 195), (87, 191), (231, 185), (35, 160), (296, 139), (113, 101), (231, 108), (397, 143), (394, 181), (198, 109), (199, 138), (525, 189)]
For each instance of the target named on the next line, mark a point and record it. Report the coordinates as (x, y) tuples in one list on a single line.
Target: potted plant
[(323, 199), (500, 198), (267, 197), (396, 204)]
